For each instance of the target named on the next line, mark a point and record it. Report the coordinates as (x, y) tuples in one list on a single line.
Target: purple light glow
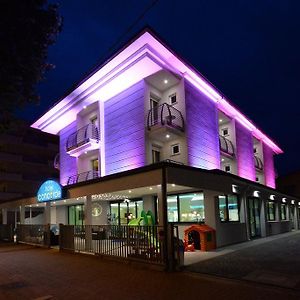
[(143, 57)]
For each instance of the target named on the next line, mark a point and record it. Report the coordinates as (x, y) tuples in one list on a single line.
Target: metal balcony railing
[(258, 163), (165, 114), (89, 175), (56, 161), (82, 136), (226, 145)]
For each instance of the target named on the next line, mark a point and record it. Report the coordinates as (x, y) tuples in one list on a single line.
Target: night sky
[(250, 50)]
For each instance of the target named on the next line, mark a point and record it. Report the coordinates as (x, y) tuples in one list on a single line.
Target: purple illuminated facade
[(136, 102)]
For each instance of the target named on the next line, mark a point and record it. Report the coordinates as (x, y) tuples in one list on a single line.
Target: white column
[(295, 217), (22, 214), (210, 208), (30, 215), (88, 222), (160, 208), (47, 213), (4, 216)]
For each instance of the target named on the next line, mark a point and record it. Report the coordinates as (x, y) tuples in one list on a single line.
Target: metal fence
[(34, 234), (6, 233), (143, 243)]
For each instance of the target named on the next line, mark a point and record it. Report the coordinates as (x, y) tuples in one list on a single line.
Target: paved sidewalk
[(275, 260), (33, 273)]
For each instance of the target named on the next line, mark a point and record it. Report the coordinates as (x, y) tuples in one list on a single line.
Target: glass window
[(223, 208), (283, 211), (76, 215), (172, 208), (114, 213), (191, 207), (271, 211), (229, 208), (233, 208)]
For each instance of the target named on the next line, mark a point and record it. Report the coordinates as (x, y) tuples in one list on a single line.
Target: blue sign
[(49, 190)]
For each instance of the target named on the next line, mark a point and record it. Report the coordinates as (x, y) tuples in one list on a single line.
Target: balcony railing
[(82, 177), (226, 145), (56, 162), (165, 114), (82, 136), (258, 163)]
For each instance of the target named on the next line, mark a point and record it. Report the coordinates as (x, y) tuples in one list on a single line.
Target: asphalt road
[(33, 273)]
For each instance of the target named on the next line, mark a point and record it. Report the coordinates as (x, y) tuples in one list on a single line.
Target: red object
[(188, 247), (207, 236)]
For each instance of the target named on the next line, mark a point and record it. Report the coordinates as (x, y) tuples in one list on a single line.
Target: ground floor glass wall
[(122, 212)]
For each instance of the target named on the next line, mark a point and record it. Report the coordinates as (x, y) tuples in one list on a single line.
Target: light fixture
[(283, 200), (129, 191), (256, 194), (166, 81), (220, 120), (54, 202), (84, 107), (150, 188), (293, 202), (167, 136), (65, 201), (298, 203), (222, 159), (173, 184), (272, 197), (85, 152), (37, 205), (234, 188)]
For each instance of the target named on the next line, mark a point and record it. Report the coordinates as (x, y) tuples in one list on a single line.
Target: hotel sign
[(49, 190)]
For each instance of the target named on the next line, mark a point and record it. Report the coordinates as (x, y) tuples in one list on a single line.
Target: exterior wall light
[(256, 194), (283, 200), (272, 197), (234, 188)]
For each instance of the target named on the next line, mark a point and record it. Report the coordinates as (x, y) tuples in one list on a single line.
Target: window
[(95, 164), (254, 150), (175, 149), (228, 208), (271, 211), (186, 207), (173, 99), (155, 155), (227, 168), (257, 179), (172, 208), (191, 207), (225, 131), (283, 211)]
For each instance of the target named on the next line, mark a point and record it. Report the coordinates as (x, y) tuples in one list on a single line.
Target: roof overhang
[(143, 57)]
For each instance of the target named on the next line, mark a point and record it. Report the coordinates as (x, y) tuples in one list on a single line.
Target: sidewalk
[(274, 260), (34, 273)]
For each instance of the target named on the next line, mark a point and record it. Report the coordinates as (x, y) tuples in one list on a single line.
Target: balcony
[(84, 139), (89, 175), (258, 163), (165, 115), (226, 146)]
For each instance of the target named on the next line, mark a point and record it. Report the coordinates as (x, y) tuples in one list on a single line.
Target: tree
[(28, 28)]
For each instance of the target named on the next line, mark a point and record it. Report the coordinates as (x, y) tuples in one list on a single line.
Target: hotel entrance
[(254, 217)]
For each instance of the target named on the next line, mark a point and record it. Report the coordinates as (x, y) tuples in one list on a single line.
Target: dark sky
[(249, 49)]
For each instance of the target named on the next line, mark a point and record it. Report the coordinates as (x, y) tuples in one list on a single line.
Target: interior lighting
[(283, 200), (272, 197), (167, 136), (166, 81), (256, 194)]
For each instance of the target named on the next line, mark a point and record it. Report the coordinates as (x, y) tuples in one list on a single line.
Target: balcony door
[(254, 217), (95, 167), (154, 110)]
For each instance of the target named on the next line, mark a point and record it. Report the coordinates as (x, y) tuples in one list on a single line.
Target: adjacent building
[(145, 131)]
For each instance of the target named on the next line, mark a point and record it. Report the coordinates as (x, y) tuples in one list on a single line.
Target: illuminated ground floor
[(160, 195)]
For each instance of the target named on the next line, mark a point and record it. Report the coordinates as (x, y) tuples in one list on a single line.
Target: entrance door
[(254, 217)]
